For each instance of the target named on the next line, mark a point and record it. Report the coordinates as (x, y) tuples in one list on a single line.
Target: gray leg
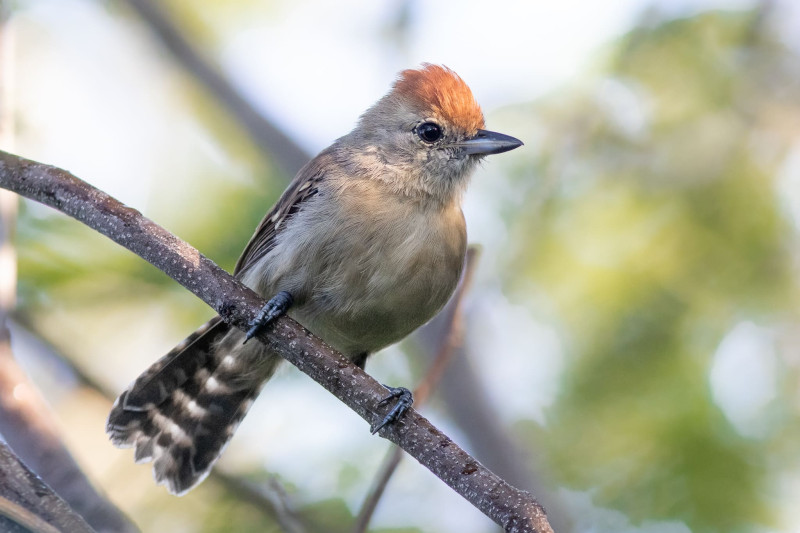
[(278, 305), (404, 402)]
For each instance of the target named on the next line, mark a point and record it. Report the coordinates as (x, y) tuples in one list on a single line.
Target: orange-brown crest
[(440, 91)]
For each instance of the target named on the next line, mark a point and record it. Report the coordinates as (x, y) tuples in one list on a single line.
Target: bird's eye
[(429, 132)]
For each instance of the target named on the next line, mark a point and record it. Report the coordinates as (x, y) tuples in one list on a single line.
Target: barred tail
[(182, 411)]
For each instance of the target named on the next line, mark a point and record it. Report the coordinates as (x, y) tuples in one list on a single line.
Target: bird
[(365, 245)]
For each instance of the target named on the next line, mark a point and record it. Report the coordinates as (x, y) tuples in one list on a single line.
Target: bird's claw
[(404, 402), (275, 307)]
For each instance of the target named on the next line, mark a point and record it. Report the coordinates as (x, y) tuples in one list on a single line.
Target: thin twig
[(265, 135), (269, 491), (452, 337), (514, 509)]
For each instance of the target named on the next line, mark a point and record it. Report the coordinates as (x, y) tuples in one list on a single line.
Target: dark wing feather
[(302, 187)]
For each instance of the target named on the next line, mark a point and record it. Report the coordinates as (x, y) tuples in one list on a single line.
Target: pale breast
[(368, 269)]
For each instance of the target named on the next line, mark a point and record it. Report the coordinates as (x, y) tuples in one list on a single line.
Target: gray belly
[(363, 284), (386, 307)]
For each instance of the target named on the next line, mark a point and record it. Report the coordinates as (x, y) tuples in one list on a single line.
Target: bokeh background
[(632, 350)]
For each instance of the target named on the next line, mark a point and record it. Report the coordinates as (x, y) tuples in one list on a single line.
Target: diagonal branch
[(514, 509), (270, 494), (452, 316), (482, 431), (25, 500), (270, 498), (26, 423), (264, 134), (27, 427)]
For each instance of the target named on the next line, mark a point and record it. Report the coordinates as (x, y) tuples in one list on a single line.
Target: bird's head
[(426, 135)]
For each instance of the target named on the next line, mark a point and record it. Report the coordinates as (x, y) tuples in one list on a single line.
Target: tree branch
[(269, 496), (26, 500), (493, 445), (269, 493), (265, 135), (515, 510), (27, 427), (26, 423), (452, 336)]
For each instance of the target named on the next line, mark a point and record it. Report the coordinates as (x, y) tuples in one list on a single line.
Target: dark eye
[(429, 132)]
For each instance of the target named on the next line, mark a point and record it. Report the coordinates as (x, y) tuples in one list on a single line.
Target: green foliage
[(645, 224), (660, 229)]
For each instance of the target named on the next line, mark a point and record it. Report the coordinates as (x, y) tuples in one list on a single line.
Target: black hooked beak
[(488, 142)]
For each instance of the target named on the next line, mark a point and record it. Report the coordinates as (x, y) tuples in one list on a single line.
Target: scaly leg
[(278, 305), (404, 401)]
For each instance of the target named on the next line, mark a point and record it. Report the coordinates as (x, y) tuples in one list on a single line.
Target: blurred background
[(632, 348)]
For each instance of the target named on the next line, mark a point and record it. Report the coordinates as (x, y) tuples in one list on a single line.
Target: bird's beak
[(488, 142)]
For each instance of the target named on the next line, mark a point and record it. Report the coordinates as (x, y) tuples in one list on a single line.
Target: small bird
[(365, 245)]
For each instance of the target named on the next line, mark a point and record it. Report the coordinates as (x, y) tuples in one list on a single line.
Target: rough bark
[(514, 509), (26, 501), (27, 426)]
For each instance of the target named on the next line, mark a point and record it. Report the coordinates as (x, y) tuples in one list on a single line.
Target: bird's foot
[(404, 401), (275, 307)]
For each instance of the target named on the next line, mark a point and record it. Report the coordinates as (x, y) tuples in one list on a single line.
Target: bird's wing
[(303, 186)]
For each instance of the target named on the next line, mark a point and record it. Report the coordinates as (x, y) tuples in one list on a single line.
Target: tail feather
[(172, 370), (183, 410)]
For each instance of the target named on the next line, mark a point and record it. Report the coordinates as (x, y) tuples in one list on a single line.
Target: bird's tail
[(182, 411)]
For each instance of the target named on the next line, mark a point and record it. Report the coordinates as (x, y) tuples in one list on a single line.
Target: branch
[(470, 408), (265, 135), (270, 498), (493, 444), (26, 423), (515, 510), (27, 427), (452, 337), (269, 494), (26, 500), (489, 439)]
